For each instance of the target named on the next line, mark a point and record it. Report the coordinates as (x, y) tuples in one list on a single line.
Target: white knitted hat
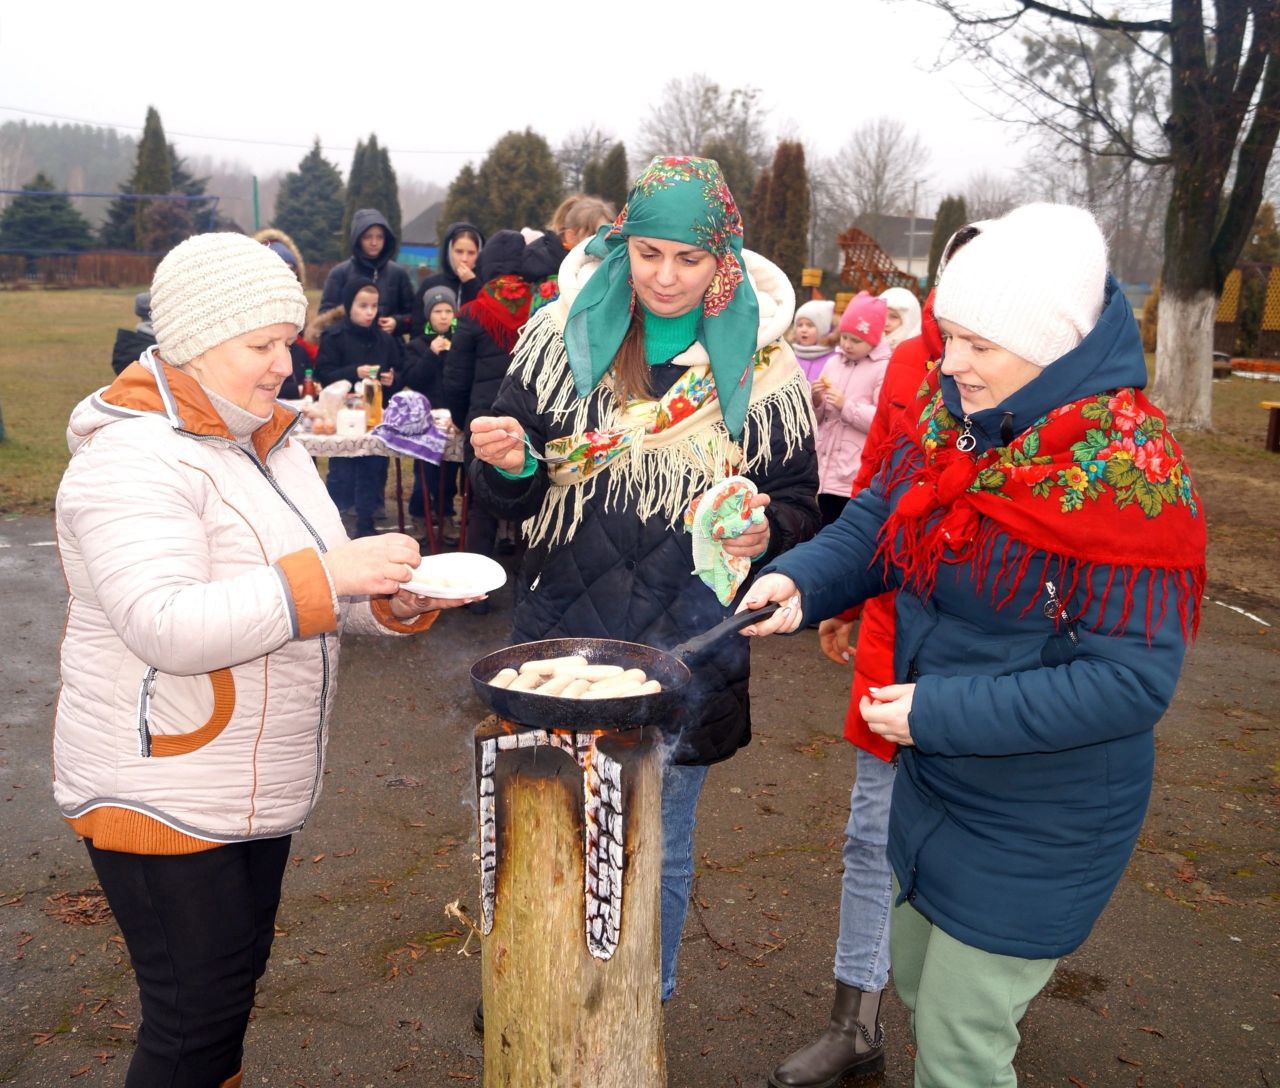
[(1031, 281), (216, 286), (822, 312)]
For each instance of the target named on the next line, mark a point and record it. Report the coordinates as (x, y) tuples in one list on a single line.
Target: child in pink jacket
[(845, 397)]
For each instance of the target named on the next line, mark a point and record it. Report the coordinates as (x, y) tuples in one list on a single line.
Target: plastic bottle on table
[(372, 399)]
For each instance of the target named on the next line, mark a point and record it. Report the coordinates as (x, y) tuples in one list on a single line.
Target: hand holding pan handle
[(699, 644)]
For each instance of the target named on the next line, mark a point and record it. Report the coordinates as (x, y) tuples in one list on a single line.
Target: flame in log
[(604, 828)]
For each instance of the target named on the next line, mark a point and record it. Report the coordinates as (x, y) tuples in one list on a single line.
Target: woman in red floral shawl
[(1041, 528)]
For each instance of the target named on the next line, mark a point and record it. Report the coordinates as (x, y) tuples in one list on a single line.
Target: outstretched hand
[(765, 590)]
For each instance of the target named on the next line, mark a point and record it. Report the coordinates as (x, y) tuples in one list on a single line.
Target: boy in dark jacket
[(352, 351), (425, 360), (372, 246)]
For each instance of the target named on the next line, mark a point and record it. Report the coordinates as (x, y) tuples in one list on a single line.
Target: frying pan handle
[(698, 645)]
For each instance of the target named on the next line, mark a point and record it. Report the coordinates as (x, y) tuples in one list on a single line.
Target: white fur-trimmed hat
[(215, 286), (1032, 281)]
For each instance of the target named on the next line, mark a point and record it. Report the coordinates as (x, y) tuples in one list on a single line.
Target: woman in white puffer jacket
[(210, 579)]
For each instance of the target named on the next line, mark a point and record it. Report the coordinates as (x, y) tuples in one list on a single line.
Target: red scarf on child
[(1097, 483), (501, 309)]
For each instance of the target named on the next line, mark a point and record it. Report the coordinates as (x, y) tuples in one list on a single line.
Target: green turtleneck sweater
[(664, 339), (667, 337)]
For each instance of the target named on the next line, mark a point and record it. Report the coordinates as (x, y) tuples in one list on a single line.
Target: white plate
[(454, 575)]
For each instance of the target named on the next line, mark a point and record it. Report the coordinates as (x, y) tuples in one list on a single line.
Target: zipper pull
[(1055, 610), (966, 443)]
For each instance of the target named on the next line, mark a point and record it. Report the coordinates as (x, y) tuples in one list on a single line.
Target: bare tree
[(1221, 75), (693, 112), (988, 195), (576, 150), (873, 174)]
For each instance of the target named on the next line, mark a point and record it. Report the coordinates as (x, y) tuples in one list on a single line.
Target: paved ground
[(1180, 983)]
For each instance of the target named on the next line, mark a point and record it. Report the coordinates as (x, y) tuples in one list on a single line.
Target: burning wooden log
[(571, 852)]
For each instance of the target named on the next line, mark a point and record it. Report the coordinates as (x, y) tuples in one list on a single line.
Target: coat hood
[(363, 219), (1109, 357), (151, 387), (542, 257), (774, 293), (503, 256), (269, 234), (451, 232)]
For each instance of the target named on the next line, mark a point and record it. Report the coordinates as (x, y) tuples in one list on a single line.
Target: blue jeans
[(866, 893), (681, 787)]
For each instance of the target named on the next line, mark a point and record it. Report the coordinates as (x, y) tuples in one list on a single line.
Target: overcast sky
[(440, 82)]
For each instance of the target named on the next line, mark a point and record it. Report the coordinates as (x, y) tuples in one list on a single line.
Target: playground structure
[(1226, 327), (867, 267)]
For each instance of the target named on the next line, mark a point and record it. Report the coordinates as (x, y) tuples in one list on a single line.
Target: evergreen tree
[(615, 178), (387, 197), (309, 207), (519, 183), (165, 223), (119, 229), (372, 184), (787, 210), (357, 182), (202, 209), (593, 179), (760, 236), (43, 223), (738, 167), (952, 215), (463, 203), (152, 173), (1262, 251)]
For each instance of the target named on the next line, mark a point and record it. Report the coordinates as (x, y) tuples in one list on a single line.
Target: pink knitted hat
[(864, 317)]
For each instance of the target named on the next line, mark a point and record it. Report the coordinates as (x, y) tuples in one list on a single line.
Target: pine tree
[(593, 179), (202, 209), (309, 207), (787, 210), (46, 224), (1262, 249), (152, 173), (760, 236), (615, 178), (736, 165), (519, 182), (952, 215), (372, 184), (463, 203)]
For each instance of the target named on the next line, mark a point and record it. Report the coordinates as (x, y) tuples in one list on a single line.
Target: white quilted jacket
[(202, 631)]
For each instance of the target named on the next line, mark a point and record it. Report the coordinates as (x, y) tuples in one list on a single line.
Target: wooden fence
[(97, 269)]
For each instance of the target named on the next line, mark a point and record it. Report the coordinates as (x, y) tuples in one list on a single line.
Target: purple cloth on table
[(407, 427)]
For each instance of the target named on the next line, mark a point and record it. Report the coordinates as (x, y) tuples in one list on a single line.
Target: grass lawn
[(57, 348)]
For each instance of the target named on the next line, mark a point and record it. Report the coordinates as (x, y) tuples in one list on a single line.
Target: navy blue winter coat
[(1017, 809), (395, 292)]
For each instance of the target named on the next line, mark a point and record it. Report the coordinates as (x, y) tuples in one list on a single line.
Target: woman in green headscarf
[(658, 374)]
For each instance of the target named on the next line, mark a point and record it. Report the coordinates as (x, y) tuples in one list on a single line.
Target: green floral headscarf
[(678, 199)]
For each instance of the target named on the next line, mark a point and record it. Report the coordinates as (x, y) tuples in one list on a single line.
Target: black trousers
[(830, 507), (199, 929)]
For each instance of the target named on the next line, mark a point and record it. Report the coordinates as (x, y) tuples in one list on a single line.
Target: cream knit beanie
[(215, 286), (1031, 281)]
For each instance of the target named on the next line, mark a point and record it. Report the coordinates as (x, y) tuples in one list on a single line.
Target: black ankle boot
[(852, 1047), (477, 1016)]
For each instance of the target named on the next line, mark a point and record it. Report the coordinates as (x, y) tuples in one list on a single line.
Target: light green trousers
[(965, 1004)]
